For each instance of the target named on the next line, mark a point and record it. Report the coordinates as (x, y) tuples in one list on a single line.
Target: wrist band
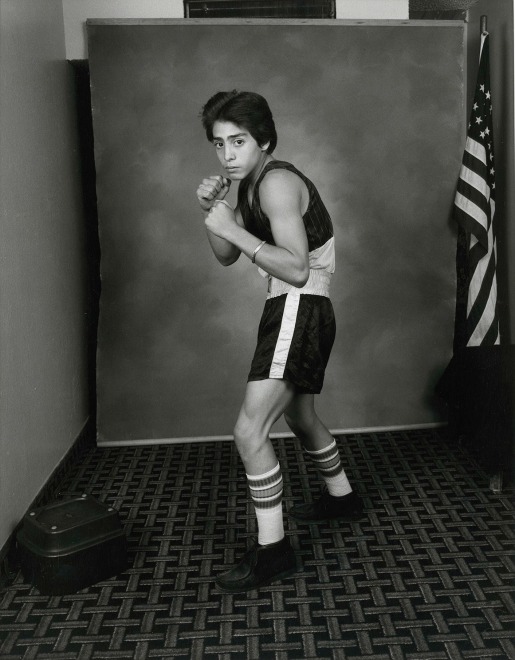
[(256, 251)]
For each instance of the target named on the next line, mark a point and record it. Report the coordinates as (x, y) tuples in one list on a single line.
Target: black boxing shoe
[(329, 507), (259, 566)]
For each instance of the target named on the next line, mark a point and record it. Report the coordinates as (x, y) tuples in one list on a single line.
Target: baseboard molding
[(83, 442), (285, 434)]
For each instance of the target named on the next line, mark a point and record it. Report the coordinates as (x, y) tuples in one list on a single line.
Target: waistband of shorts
[(317, 285)]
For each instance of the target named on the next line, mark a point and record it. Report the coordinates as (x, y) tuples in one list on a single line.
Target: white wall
[(77, 11), (372, 9), (43, 343)]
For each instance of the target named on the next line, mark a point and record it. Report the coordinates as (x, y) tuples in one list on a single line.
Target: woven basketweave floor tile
[(428, 574)]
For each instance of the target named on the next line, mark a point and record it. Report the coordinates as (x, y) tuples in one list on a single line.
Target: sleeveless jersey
[(317, 221)]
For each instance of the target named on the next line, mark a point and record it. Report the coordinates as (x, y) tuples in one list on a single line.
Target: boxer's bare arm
[(214, 189)]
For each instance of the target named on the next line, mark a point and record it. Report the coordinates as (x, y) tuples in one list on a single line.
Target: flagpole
[(483, 32)]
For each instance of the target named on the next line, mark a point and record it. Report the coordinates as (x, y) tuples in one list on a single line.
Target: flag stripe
[(480, 287), (476, 149), (473, 220), (474, 165), (476, 198), (475, 213), (492, 335), (482, 299), (477, 250), (476, 253), (486, 324), (473, 182)]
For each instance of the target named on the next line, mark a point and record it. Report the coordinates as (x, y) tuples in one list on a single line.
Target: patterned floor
[(427, 575)]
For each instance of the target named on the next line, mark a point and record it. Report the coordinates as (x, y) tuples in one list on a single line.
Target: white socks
[(328, 463), (266, 491)]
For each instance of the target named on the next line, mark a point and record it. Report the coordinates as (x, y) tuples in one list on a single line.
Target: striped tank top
[(317, 221)]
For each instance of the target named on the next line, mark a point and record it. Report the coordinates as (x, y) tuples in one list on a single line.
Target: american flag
[(474, 209)]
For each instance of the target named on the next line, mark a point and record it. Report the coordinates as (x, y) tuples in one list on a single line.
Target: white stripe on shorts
[(282, 348)]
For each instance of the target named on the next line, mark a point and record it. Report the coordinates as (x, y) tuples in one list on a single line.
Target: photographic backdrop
[(373, 114)]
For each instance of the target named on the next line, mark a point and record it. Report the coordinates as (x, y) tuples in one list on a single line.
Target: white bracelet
[(256, 251)]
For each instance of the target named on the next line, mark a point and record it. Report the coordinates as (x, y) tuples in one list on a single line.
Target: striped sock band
[(328, 463), (266, 491)]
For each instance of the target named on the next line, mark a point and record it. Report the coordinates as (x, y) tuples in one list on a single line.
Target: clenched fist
[(221, 219), (211, 190)]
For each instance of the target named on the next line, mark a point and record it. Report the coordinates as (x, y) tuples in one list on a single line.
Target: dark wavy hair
[(246, 109)]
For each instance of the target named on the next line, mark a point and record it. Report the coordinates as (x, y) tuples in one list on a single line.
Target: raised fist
[(211, 190)]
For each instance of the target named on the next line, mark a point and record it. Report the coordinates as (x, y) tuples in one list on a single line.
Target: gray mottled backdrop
[(373, 114)]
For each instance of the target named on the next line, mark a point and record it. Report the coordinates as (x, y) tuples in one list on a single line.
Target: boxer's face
[(237, 150)]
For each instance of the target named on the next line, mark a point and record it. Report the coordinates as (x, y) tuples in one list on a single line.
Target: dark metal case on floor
[(72, 544)]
